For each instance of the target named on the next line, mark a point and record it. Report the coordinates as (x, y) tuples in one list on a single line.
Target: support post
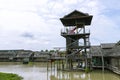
[(102, 57), (86, 65), (102, 63), (51, 64), (47, 65), (54, 67)]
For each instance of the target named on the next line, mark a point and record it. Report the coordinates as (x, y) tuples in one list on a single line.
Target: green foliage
[(42, 50), (52, 51), (9, 76), (87, 70), (46, 50)]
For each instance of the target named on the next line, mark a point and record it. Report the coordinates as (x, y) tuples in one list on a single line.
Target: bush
[(87, 70), (9, 76)]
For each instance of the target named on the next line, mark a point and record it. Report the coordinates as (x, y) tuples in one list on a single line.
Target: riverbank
[(9, 76)]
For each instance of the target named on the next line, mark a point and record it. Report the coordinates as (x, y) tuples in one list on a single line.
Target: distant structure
[(106, 55), (40, 56), (23, 56), (77, 38), (15, 55)]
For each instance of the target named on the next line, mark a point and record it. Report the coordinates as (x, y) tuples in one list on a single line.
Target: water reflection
[(96, 75), (38, 71)]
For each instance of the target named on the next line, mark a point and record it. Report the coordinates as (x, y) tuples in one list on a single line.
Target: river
[(38, 71)]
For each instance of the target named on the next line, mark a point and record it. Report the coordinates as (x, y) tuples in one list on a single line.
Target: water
[(38, 71)]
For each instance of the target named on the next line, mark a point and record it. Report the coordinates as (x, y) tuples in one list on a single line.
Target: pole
[(102, 60), (86, 65), (102, 63)]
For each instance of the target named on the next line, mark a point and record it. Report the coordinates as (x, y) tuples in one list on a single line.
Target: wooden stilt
[(51, 65)]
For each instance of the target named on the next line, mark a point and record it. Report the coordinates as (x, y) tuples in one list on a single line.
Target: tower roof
[(76, 17)]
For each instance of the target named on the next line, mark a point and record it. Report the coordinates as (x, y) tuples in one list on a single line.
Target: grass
[(9, 76)]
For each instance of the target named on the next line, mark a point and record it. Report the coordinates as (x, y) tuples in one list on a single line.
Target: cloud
[(114, 4), (102, 30), (28, 35), (35, 24)]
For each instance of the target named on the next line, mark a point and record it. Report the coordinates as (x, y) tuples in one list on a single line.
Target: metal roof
[(24, 54), (7, 54), (95, 51), (41, 54), (107, 45), (105, 49)]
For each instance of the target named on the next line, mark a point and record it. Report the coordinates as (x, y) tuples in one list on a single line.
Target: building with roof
[(14, 55), (106, 55), (40, 56), (25, 55), (8, 55)]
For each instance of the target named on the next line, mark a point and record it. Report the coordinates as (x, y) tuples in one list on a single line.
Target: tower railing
[(72, 31)]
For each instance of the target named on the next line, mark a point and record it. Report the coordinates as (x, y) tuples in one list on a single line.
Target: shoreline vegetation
[(9, 76)]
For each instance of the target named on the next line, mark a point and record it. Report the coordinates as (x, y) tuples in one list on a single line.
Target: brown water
[(38, 71)]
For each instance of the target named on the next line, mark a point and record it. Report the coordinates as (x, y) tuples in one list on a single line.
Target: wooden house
[(24, 55), (8, 55), (40, 56), (114, 59), (106, 55)]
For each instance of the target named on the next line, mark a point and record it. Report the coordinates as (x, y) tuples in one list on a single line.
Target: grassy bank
[(9, 76)]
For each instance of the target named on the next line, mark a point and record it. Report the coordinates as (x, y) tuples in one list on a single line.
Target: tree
[(46, 50), (52, 51), (42, 51)]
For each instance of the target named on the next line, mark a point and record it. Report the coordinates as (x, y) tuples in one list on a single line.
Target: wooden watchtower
[(77, 38)]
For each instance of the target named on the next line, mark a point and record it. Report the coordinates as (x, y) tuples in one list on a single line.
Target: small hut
[(7, 55), (24, 56), (40, 56)]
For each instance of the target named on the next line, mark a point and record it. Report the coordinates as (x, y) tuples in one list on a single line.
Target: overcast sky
[(35, 24)]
